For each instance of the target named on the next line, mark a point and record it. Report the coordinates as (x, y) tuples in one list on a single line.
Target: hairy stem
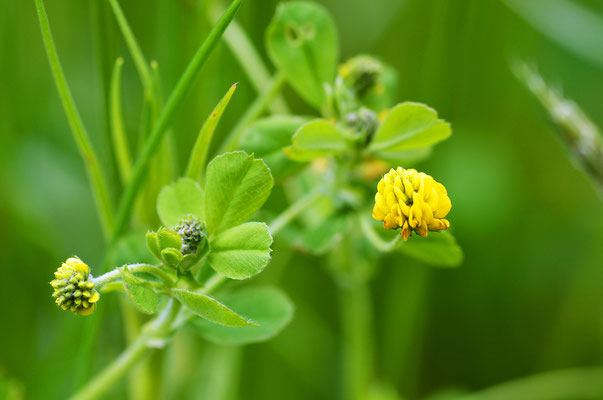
[(95, 174), (112, 276)]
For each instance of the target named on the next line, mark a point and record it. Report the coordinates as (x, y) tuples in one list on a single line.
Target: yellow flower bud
[(74, 288), (413, 201)]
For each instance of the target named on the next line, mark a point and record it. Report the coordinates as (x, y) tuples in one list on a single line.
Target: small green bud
[(167, 238), (362, 74), (172, 257), (153, 243), (364, 123), (71, 277)]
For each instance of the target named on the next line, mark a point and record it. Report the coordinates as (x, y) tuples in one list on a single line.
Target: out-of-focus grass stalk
[(583, 138), (140, 62), (357, 351), (95, 174), (295, 209), (220, 367), (249, 59), (254, 111), (166, 116), (118, 132), (198, 157)]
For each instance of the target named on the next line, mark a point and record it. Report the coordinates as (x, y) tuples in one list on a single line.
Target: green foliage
[(242, 251), (439, 249), (268, 306), (316, 139), (409, 126), (302, 41), (143, 297), (179, 199), (210, 309), (237, 185), (267, 137)]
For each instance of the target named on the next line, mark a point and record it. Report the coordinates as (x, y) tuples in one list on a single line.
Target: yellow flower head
[(413, 201), (74, 288)]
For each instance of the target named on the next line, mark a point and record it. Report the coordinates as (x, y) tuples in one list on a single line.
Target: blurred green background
[(527, 299)]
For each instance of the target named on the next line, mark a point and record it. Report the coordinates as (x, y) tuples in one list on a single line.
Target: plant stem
[(249, 59), (95, 175), (111, 276), (166, 116), (375, 239), (356, 320), (158, 330), (118, 131), (294, 210), (253, 112)]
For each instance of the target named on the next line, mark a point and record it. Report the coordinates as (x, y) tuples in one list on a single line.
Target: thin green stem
[(114, 275), (166, 116), (118, 131), (375, 239), (139, 60), (158, 330), (249, 59), (95, 175), (294, 210), (356, 320), (253, 112)]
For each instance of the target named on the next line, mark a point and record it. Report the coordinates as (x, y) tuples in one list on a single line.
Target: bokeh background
[(527, 298)]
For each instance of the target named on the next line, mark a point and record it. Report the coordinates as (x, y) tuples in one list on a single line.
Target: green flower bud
[(167, 238), (362, 74), (364, 123), (153, 243), (191, 231), (71, 277), (171, 257)]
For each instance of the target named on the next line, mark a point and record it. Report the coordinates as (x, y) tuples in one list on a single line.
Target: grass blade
[(166, 116), (198, 157), (118, 132), (95, 174)]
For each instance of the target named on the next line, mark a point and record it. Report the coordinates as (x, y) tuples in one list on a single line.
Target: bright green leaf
[(269, 307), (179, 199), (143, 297), (302, 41), (316, 139), (210, 309), (242, 251), (404, 157), (237, 185), (438, 249), (409, 126), (266, 139)]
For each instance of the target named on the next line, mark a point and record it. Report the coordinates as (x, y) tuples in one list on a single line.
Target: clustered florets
[(74, 288), (413, 201), (190, 229)]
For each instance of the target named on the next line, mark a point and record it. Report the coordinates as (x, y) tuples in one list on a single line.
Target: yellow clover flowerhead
[(74, 288), (413, 201)]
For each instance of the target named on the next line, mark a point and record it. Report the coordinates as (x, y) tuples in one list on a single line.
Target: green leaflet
[(209, 308), (302, 41), (143, 297), (179, 199), (268, 306), (438, 249), (242, 251), (316, 139), (237, 185), (409, 126)]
